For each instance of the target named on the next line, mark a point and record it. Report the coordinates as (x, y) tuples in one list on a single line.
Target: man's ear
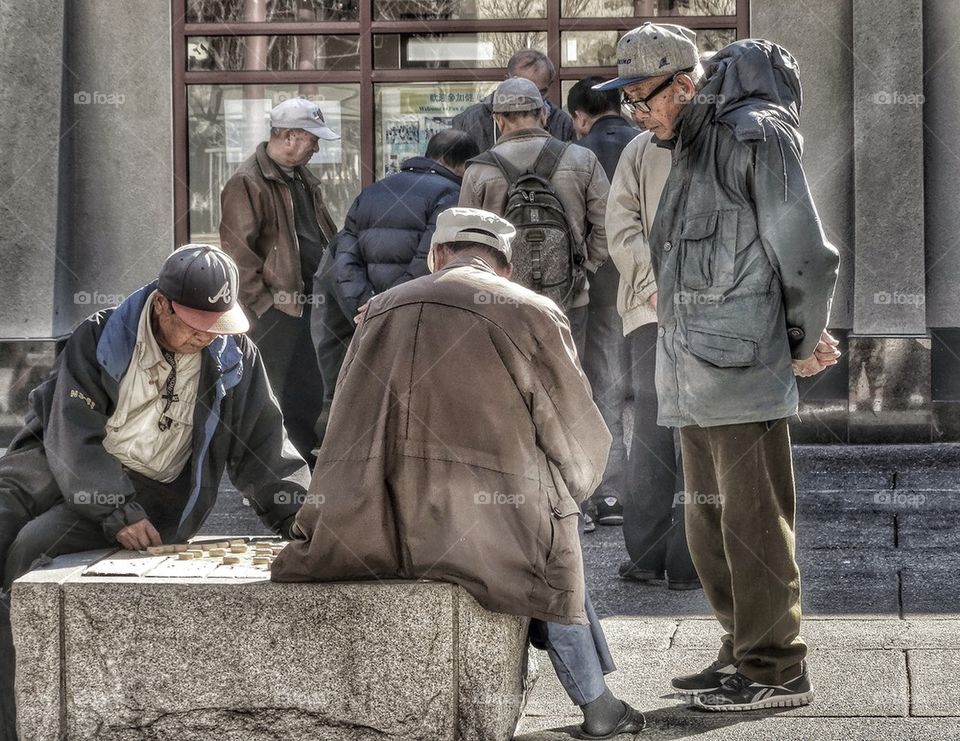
[(508, 271), (688, 89)]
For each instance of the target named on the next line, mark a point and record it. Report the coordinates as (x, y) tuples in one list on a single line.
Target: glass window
[(398, 10), (408, 115), (227, 122), (451, 50), (272, 52), (643, 8), (599, 48), (287, 11)]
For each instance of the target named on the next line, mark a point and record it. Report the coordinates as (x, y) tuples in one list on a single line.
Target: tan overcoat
[(461, 440)]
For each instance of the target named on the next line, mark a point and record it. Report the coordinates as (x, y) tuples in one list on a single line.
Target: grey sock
[(602, 715)]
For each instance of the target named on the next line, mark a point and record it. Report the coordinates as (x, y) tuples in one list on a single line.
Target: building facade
[(123, 119)]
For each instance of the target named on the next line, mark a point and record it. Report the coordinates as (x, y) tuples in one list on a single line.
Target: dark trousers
[(291, 365), (331, 331), (36, 526), (740, 523), (653, 522), (605, 363)]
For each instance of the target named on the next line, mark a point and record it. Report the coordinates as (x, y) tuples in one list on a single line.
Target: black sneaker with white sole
[(609, 511), (739, 692), (709, 679)]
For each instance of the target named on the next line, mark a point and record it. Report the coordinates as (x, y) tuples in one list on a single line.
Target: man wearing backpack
[(553, 193)]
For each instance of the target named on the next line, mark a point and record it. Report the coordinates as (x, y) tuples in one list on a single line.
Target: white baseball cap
[(300, 113), (459, 224)]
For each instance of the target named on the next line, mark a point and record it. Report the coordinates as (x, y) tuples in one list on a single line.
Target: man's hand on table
[(139, 536)]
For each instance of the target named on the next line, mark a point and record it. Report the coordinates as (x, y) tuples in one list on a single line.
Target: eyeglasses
[(643, 105)]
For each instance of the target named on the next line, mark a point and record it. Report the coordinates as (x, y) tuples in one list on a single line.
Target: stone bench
[(125, 658)]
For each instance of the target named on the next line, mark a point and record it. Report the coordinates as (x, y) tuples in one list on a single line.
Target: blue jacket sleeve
[(350, 270)]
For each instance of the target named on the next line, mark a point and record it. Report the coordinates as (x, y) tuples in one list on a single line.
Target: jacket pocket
[(709, 248), (564, 517), (721, 350)]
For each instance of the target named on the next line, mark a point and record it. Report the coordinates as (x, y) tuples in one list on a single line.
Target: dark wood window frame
[(553, 24)]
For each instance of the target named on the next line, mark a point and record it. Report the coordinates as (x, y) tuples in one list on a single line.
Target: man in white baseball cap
[(464, 429), (275, 224)]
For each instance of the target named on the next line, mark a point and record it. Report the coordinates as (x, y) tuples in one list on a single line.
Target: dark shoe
[(631, 573), (588, 524), (609, 511), (708, 680), (631, 722), (684, 586), (739, 692)]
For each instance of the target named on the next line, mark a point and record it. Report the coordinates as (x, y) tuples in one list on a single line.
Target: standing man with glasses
[(275, 225), (529, 64), (127, 440), (745, 281)]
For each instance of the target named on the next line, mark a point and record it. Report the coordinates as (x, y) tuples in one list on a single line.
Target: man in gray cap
[(126, 442), (464, 431), (745, 279), (275, 225), (555, 262)]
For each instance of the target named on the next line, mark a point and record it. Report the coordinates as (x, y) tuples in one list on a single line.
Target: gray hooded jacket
[(745, 274)]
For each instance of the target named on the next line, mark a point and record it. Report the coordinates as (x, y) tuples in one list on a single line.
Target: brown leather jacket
[(257, 230), (462, 437)]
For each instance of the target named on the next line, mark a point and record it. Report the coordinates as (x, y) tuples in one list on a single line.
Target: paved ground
[(879, 545)]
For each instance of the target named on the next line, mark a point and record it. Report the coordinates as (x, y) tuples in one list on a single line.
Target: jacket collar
[(468, 261), (610, 121), (536, 131), (116, 344), (424, 165)]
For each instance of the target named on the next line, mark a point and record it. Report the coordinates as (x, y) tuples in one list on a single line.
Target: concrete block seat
[(157, 655)]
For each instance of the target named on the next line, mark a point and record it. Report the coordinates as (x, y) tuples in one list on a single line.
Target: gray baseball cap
[(202, 282), (652, 50), (459, 224), (300, 113), (516, 94)]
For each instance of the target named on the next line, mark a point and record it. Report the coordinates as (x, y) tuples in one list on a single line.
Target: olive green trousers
[(740, 504)]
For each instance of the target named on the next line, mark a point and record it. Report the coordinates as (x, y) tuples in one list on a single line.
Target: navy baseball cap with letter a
[(652, 50), (202, 282)]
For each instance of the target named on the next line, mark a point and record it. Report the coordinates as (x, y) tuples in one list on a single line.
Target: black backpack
[(545, 258)]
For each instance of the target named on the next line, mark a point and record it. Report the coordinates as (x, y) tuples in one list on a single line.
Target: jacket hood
[(750, 80), (115, 347), (428, 166)]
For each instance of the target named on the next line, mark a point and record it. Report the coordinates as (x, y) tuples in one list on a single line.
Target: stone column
[(890, 293), (31, 82)]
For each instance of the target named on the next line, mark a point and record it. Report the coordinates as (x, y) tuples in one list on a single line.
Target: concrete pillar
[(31, 80), (818, 33), (941, 111), (890, 294), (116, 222)]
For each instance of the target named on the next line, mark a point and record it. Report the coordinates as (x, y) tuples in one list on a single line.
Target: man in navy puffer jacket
[(386, 237)]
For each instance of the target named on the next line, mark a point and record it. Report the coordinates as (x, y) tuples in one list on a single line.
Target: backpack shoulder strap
[(511, 173), (549, 158)]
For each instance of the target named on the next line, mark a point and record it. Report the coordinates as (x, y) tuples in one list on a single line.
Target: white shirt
[(133, 434)]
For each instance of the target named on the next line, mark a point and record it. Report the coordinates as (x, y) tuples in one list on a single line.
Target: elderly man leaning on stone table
[(463, 436), (127, 440)]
